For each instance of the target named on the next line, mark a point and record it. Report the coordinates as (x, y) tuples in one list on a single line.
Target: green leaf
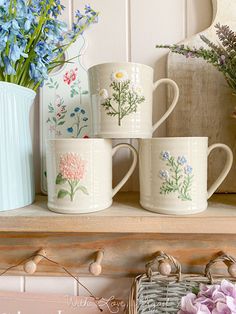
[(85, 92), (83, 189), (60, 179), (61, 122), (62, 193)]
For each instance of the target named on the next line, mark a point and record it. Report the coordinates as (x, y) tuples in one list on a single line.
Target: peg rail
[(117, 241)]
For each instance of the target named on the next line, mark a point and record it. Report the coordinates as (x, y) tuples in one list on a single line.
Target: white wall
[(128, 30)]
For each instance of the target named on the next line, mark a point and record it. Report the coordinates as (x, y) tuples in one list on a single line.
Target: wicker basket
[(153, 293)]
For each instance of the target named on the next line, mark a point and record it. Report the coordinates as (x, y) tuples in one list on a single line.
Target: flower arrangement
[(125, 96), (178, 178), (211, 299), (222, 55), (33, 40)]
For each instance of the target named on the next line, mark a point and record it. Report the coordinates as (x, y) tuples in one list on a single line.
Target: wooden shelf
[(125, 216)]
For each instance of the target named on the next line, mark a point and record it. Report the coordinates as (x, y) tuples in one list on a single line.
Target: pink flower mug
[(79, 174)]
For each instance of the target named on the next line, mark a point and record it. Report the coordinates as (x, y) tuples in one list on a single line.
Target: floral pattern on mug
[(56, 115), (80, 121), (178, 178), (125, 97), (70, 76), (72, 171)]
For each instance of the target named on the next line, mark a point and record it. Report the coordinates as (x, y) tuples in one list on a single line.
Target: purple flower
[(190, 306), (222, 60), (188, 169), (213, 299), (181, 160), (164, 174), (165, 155)]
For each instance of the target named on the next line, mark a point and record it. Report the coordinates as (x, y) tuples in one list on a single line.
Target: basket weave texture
[(153, 293)]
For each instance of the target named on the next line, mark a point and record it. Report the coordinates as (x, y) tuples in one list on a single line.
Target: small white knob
[(232, 270), (95, 268), (164, 268), (30, 267)]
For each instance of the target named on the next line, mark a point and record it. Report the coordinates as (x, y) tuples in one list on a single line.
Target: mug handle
[(131, 169), (225, 171), (174, 103)]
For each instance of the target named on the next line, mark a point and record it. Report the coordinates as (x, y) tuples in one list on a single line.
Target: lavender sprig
[(222, 56)]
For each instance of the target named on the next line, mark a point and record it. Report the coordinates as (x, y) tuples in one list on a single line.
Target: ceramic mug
[(173, 174), (122, 97), (79, 174)]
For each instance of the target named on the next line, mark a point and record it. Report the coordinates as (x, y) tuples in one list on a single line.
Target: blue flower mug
[(173, 174)]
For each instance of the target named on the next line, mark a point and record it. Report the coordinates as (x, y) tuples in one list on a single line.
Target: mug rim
[(122, 62), (77, 139), (175, 138)]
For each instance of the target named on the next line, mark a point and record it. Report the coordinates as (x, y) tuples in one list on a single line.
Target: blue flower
[(82, 111), (181, 160), (77, 109), (188, 169), (70, 130), (9, 70), (164, 174), (79, 15), (165, 155), (72, 114), (16, 52)]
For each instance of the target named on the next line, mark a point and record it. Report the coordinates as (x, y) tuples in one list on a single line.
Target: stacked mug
[(172, 171)]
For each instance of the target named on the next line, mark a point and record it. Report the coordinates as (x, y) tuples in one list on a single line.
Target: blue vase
[(16, 161)]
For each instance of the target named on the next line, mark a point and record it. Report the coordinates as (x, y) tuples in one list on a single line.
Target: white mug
[(79, 174), (122, 97), (173, 174)]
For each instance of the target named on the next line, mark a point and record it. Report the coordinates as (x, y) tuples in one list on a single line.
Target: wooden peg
[(164, 268), (95, 268), (30, 267), (232, 270)]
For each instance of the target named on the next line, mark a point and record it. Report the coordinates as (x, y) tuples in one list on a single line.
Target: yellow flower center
[(119, 75)]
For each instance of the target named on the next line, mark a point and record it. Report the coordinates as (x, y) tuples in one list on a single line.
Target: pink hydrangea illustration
[(71, 172), (70, 76), (72, 167)]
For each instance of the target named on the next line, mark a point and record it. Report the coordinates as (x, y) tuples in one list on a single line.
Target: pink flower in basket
[(71, 172), (72, 167), (211, 299), (70, 76)]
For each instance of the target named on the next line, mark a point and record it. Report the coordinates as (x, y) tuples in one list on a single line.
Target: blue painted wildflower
[(181, 160), (79, 122), (164, 174), (177, 178), (33, 39), (188, 169), (70, 130), (165, 155)]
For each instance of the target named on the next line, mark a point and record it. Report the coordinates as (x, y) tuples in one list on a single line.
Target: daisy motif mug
[(173, 174), (122, 97), (79, 174)]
